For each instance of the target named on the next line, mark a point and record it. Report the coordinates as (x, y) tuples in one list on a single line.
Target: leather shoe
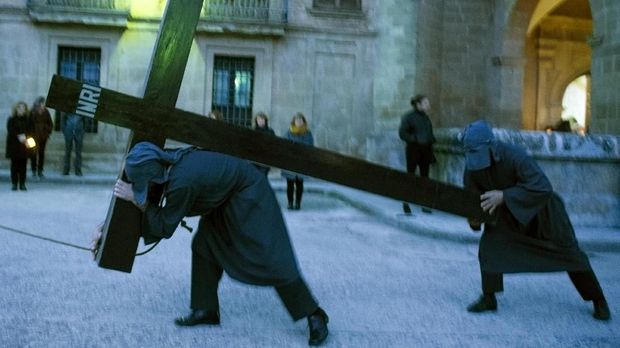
[(601, 310), (317, 322), (199, 316), (485, 303)]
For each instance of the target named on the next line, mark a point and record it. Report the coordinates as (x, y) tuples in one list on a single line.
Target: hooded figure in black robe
[(532, 231), (241, 229)]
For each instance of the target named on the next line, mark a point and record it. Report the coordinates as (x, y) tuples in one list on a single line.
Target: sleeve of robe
[(532, 190), (161, 222)]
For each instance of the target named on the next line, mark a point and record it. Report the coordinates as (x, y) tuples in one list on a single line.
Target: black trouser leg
[(21, 165), (14, 170), (492, 282), (424, 169), (41, 155), (412, 163), (206, 275), (33, 161), (297, 299), (587, 285), (299, 191), (289, 191)]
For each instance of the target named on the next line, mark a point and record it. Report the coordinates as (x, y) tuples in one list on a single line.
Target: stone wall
[(605, 66), (396, 58), (429, 49), (583, 170), (467, 42)]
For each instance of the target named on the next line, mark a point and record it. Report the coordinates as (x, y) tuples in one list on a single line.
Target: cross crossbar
[(133, 113)]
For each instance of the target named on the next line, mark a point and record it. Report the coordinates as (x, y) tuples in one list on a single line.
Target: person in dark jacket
[(532, 231), (261, 124), (241, 229), (41, 124), (18, 132), (298, 132), (416, 130)]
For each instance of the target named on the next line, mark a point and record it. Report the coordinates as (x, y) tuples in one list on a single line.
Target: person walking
[(18, 131), (73, 129), (241, 229), (41, 125), (416, 130), (298, 132), (532, 231)]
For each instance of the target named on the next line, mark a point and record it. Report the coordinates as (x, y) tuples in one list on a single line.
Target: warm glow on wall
[(147, 8)]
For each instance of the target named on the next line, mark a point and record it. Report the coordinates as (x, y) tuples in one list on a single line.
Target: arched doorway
[(556, 52)]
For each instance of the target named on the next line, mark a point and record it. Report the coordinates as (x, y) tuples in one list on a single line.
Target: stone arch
[(525, 60)]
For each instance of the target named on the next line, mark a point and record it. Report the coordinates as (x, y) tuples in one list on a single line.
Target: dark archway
[(547, 43)]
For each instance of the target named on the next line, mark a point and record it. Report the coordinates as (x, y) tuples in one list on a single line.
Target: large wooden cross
[(154, 118)]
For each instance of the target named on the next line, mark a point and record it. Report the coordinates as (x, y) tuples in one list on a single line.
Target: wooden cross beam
[(167, 122), (120, 235)]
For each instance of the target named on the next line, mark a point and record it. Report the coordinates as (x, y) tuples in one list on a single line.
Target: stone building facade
[(349, 65)]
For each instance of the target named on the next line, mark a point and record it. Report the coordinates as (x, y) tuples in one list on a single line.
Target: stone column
[(605, 44)]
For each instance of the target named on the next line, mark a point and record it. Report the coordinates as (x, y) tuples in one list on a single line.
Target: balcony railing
[(271, 11), (109, 13), (85, 4)]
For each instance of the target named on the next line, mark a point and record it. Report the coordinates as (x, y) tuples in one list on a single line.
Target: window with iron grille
[(82, 64), (354, 5), (233, 82)]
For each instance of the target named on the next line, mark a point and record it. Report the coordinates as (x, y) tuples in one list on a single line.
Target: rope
[(44, 238), (64, 243)]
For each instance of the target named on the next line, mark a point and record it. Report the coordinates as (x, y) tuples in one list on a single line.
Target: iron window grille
[(233, 82)]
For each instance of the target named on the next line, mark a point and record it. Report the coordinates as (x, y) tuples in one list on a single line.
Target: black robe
[(241, 223), (532, 231)]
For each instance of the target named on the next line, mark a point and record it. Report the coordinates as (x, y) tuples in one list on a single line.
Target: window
[(82, 64), (355, 5), (233, 80)]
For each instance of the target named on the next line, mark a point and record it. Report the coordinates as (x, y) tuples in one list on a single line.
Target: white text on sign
[(89, 98)]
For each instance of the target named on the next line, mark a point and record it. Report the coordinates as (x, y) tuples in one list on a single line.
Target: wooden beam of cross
[(120, 235), (133, 113)]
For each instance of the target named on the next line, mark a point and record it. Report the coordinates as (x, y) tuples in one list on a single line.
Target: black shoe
[(317, 322), (426, 210), (41, 176), (485, 303), (23, 188), (14, 188), (66, 172), (290, 206), (601, 310), (406, 209), (199, 316), (297, 206), (78, 173)]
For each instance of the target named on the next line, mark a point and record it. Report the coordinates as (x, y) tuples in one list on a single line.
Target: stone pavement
[(380, 286)]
